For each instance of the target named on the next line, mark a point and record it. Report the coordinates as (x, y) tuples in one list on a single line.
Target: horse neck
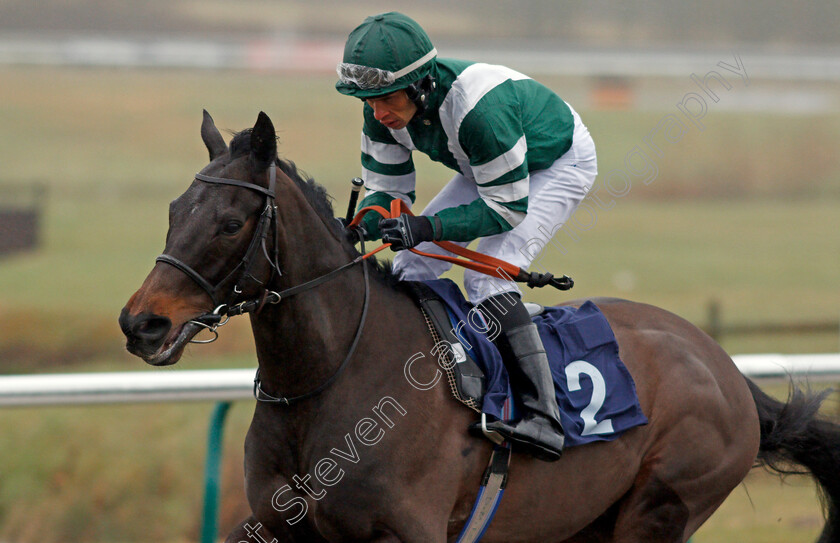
[(302, 341)]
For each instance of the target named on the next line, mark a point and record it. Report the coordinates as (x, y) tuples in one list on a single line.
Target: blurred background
[(717, 126)]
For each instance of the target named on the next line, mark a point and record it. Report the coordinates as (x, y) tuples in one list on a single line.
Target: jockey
[(523, 161)]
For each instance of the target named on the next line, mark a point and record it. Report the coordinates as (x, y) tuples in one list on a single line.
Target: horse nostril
[(145, 328), (153, 329)]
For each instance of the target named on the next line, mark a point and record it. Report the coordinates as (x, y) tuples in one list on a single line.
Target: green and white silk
[(491, 124)]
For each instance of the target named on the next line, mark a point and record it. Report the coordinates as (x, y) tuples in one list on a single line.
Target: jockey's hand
[(406, 231)]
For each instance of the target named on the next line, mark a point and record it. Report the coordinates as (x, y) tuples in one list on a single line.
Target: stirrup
[(492, 435)]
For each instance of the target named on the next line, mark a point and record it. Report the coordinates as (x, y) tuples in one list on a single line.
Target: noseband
[(268, 219)]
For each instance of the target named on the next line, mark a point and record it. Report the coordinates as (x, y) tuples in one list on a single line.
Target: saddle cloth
[(595, 392)]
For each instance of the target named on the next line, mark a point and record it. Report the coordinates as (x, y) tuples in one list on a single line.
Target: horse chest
[(324, 479)]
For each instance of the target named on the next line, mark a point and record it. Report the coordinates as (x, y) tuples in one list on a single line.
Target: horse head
[(221, 246)]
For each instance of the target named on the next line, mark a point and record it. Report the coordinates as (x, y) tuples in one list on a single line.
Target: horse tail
[(793, 437)]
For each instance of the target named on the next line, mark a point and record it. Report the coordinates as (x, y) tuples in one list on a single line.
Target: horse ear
[(263, 141), (213, 140)]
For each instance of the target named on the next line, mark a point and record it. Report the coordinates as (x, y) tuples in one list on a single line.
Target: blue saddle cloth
[(595, 392)]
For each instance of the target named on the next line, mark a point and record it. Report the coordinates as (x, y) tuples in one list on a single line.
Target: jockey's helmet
[(384, 54)]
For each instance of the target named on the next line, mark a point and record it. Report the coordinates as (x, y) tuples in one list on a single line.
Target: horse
[(343, 447)]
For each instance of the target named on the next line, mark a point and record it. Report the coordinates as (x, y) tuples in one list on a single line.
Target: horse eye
[(231, 227)]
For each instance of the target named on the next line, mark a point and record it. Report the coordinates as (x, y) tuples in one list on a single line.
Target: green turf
[(114, 147)]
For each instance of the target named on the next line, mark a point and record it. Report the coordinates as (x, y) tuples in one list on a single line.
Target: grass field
[(115, 146)]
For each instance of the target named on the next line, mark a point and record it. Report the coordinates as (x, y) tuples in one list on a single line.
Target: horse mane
[(319, 199)]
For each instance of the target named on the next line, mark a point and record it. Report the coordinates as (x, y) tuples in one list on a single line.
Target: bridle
[(267, 220), (242, 272)]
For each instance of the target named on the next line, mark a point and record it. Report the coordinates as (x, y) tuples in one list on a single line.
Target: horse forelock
[(315, 194)]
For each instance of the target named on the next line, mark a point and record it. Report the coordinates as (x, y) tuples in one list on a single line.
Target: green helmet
[(385, 53)]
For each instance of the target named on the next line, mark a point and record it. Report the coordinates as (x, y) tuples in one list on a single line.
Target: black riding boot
[(539, 431)]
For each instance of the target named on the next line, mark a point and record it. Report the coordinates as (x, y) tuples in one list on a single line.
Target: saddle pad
[(595, 392)]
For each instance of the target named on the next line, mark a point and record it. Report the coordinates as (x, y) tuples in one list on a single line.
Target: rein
[(263, 396), (211, 321), (472, 260), (268, 220)]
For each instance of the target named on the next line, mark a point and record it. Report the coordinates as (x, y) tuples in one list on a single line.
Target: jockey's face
[(393, 110)]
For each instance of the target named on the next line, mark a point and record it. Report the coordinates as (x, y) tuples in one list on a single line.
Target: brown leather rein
[(268, 220)]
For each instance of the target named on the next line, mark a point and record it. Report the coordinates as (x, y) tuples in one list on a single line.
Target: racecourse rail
[(238, 384), (292, 53), (226, 386)]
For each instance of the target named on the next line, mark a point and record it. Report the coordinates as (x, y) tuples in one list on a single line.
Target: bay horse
[(344, 448)]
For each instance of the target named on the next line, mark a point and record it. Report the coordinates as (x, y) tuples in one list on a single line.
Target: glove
[(406, 231)]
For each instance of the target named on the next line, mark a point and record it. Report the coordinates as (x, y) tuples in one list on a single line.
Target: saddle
[(595, 392), (466, 380), (477, 379)]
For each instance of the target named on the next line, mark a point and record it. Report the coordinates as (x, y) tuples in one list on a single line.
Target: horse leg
[(702, 431), (651, 512), (677, 491)]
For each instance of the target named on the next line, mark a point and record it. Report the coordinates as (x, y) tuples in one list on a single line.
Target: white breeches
[(553, 196)]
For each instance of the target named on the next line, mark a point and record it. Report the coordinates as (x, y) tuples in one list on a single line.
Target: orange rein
[(475, 261)]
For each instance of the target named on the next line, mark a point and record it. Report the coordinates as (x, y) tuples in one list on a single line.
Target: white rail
[(288, 52), (126, 387), (780, 366), (237, 384)]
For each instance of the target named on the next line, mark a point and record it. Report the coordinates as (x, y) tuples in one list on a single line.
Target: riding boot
[(539, 431)]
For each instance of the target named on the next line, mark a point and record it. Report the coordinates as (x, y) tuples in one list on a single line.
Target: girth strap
[(489, 496)]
